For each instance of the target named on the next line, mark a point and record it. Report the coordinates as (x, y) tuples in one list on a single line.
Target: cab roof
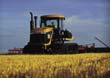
[(53, 16)]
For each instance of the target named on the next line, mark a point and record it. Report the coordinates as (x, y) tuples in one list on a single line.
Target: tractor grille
[(38, 38)]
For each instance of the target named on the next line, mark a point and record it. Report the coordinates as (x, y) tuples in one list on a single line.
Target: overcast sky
[(84, 18)]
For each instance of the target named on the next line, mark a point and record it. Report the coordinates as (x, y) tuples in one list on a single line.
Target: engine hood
[(43, 30)]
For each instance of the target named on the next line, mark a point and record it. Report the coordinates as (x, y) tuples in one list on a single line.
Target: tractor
[(49, 37)]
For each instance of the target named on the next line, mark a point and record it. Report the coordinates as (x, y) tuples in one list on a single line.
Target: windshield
[(49, 23), (52, 23)]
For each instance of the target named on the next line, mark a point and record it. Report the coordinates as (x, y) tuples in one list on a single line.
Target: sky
[(86, 19)]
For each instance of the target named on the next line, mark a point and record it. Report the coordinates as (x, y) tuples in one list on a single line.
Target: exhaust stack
[(35, 20), (32, 26)]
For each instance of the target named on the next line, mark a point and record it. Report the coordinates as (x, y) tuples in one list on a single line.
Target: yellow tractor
[(50, 37)]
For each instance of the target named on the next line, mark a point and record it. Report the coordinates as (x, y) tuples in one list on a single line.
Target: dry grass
[(91, 65)]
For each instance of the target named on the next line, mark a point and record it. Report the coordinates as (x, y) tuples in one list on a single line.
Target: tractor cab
[(55, 21)]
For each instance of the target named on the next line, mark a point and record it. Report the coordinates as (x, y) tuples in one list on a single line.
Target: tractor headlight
[(48, 36)]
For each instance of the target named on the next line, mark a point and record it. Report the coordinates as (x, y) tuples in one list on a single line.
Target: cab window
[(52, 23)]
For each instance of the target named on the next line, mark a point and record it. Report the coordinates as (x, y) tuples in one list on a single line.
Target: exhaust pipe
[(31, 23), (35, 20)]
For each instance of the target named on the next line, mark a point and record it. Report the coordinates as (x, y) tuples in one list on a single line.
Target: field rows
[(91, 65)]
